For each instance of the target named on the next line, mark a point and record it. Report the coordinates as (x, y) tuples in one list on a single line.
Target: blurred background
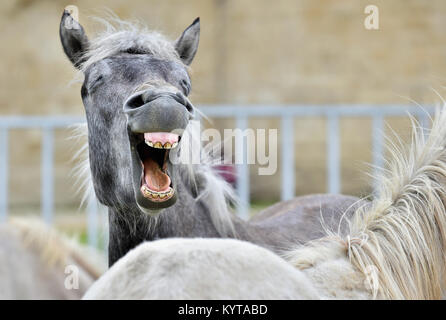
[(252, 52)]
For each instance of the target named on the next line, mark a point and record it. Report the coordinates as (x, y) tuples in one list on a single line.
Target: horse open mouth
[(156, 184)]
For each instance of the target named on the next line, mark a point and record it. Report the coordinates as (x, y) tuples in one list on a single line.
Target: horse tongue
[(154, 177)]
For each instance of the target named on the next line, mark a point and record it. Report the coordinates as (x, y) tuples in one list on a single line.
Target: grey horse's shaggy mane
[(120, 36)]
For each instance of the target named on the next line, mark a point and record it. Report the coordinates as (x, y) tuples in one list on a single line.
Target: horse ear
[(187, 44), (73, 38)]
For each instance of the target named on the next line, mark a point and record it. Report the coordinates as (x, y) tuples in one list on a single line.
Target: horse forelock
[(125, 37)]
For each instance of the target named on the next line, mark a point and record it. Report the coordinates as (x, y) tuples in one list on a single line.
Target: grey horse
[(135, 94)]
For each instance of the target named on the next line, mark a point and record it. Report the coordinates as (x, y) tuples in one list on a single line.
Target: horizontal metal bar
[(22, 122), (225, 111)]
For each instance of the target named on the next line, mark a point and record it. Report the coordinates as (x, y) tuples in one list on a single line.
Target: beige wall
[(258, 51)]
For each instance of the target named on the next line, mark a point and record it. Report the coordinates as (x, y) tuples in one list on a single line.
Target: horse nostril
[(135, 102), (186, 87), (185, 102), (181, 98)]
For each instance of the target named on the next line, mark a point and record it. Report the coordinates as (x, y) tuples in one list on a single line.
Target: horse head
[(135, 93)]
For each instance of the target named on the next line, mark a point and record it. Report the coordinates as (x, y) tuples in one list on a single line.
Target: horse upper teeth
[(159, 145)]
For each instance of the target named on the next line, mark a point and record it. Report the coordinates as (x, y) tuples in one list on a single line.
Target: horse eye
[(95, 83)]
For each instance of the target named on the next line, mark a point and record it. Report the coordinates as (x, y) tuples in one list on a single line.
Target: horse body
[(198, 269), (135, 91)]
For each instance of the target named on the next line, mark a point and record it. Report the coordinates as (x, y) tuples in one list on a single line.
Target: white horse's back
[(201, 269)]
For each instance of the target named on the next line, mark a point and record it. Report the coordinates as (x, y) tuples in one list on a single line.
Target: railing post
[(288, 175), (333, 157), (242, 169), (47, 181), (92, 222), (4, 176), (377, 146)]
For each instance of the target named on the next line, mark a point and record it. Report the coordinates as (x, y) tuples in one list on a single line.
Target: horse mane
[(401, 234), (211, 189), (55, 249), (120, 36)]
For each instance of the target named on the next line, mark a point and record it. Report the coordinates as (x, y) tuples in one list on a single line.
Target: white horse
[(201, 268), (395, 248), (39, 263)]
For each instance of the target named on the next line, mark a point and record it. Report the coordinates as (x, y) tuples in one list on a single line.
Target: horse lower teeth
[(154, 194)]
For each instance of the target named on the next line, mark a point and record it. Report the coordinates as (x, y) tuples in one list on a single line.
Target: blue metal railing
[(241, 113)]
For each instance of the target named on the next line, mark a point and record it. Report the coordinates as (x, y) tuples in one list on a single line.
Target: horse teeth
[(156, 194), (158, 145), (146, 191)]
